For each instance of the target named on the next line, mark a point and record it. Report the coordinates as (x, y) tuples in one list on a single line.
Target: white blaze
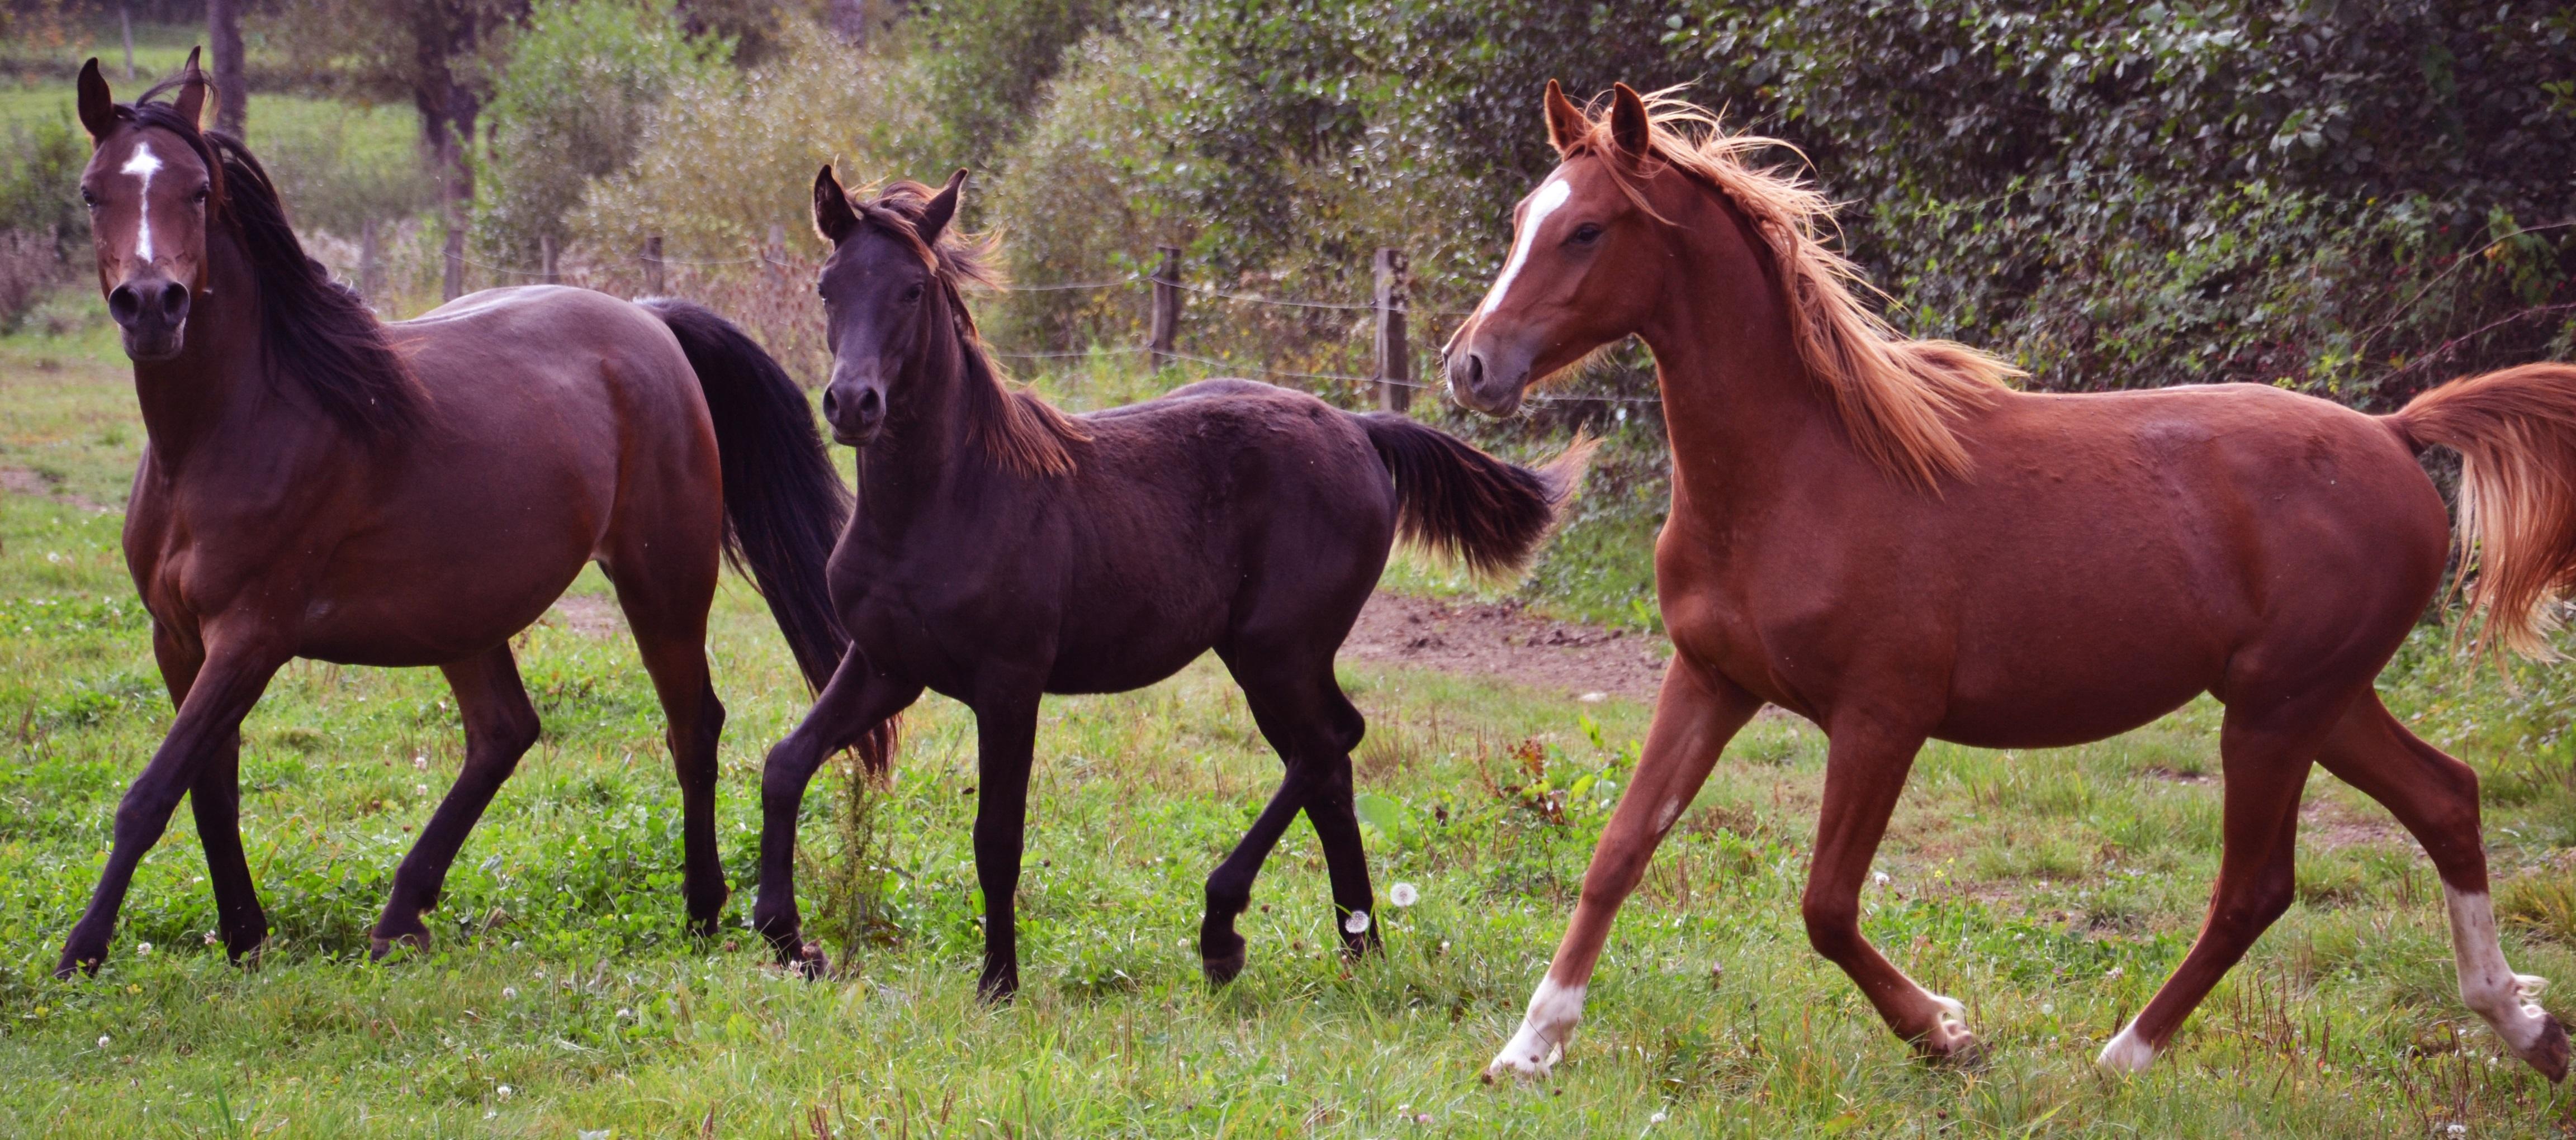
[(1541, 204), (142, 164)]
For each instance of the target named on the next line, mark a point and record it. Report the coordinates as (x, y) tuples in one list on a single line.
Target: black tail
[(1463, 504), (784, 504)]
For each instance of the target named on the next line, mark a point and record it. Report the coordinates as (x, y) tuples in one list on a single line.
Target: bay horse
[(1881, 536), (1001, 549), (318, 484)]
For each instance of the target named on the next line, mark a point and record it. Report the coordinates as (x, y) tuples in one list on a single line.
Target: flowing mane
[(1897, 397), (318, 335), (1012, 424)]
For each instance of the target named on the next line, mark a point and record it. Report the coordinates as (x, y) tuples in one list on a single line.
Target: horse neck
[(219, 378), (1738, 397), (925, 447)]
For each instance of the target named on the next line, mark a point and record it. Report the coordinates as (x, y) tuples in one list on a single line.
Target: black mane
[(318, 334)]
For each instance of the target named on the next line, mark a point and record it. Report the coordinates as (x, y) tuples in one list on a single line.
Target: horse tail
[(2515, 430), (1462, 504)]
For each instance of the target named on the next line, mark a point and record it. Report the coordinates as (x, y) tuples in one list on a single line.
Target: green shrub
[(572, 104), (41, 221)]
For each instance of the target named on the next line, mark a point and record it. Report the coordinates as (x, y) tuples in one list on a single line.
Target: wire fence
[(769, 292)]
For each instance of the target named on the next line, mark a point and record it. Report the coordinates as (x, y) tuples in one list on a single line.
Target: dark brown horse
[(1878, 535), (317, 484), (1001, 550)]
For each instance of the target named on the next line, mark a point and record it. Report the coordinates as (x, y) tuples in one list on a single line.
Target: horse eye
[(201, 195), (1586, 234), (912, 294), (88, 199)]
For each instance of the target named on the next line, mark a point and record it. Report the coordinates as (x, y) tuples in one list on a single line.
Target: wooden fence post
[(371, 265), (453, 285), (1167, 305), (546, 271), (653, 266), (1394, 357)]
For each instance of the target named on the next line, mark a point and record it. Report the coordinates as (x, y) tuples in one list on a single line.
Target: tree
[(232, 92)]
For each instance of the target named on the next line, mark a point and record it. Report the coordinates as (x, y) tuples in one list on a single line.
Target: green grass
[(2052, 891)]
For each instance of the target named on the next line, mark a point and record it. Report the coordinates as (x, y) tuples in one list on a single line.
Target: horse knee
[(1833, 925)]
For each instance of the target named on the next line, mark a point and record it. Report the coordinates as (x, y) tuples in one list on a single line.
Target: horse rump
[(1464, 505), (2515, 430)]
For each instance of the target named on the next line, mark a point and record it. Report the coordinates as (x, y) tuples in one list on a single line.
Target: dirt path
[(20, 481), (1504, 641)]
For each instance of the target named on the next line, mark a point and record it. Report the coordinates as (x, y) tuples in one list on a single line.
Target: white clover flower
[(503, 1092), (420, 789), (623, 1013), (1657, 1118), (1422, 1118), (102, 1041), (509, 993), (420, 762), (1403, 894), (143, 948), (1357, 923), (210, 938), (1878, 877)]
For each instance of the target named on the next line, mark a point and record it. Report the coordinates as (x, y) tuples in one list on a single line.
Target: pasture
[(2049, 890)]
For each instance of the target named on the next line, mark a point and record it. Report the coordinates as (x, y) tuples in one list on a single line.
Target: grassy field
[(2051, 891)]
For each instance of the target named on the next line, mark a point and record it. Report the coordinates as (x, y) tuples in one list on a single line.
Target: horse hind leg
[(2436, 798), (665, 597), (1311, 724), (500, 727), (2264, 761)]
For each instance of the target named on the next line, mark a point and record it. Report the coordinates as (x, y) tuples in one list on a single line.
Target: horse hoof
[(1952, 1046), (811, 963), (1224, 967), (2550, 1053), (77, 965), (380, 947), (248, 957)]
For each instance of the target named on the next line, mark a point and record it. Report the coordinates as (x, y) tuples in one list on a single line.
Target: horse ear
[(833, 218), (97, 107), (942, 207), (1630, 127), (1566, 126), (191, 103)]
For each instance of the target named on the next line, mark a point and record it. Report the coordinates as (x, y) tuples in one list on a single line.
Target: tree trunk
[(232, 93)]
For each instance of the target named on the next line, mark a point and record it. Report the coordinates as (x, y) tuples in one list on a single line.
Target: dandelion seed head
[(1403, 894), (1357, 923)]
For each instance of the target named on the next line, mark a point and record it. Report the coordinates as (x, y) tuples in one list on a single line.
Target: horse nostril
[(124, 304), (174, 301), (870, 405), (1475, 370), (831, 406)]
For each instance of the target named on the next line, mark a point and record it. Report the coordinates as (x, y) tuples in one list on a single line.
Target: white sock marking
[(2491, 988), (1541, 204), (2127, 1052), (142, 164), (1553, 1011)]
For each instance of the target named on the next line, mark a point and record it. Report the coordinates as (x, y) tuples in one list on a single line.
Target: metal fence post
[(1394, 357), (1167, 304)]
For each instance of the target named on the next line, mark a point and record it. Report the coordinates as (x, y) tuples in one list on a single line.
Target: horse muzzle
[(856, 411), (152, 313)]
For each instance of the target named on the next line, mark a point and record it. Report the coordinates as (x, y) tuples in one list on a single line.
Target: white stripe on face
[(1541, 204), (142, 164)]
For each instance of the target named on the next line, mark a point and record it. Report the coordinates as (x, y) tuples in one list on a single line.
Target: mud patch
[(588, 615), (34, 485), (1506, 642), (2329, 824)]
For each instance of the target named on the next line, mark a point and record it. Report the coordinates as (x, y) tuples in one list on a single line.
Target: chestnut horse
[(316, 484), (1001, 550), (1880, 536)]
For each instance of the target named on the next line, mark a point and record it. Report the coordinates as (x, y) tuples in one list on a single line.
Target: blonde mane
[(1898, 398)]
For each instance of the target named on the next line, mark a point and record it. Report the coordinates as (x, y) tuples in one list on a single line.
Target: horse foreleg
[(1865, 769), (2265, 768), (214, 798), (500, 727), (2436, 798), (236, 671), (854, 702), (1695, 715), (1006, 726)]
